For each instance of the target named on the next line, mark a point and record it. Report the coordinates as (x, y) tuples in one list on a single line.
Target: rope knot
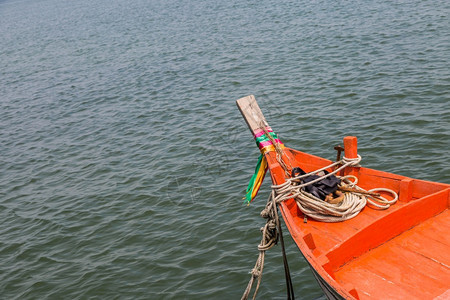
[(271, 225), (265, 213), (255, 273), (352, 161)]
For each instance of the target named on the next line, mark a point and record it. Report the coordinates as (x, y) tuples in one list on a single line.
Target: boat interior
[(404, 247)]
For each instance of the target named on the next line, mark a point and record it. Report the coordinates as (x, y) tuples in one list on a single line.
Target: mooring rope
[(315, 208), (271, 233), (268, 240)]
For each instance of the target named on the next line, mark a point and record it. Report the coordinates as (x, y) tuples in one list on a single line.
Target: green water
[(124, 159)]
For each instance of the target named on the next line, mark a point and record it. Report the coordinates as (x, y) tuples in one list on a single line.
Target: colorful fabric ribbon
[(256, 180), (265, 145)]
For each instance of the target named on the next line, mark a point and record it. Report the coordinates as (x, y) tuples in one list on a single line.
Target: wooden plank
[(422, 188), (430, 239), (368, 284), (410, 270), (251, 112), (308, 162), (414, 271), (394, 273)]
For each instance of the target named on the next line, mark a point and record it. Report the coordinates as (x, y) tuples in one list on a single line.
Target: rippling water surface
[(124, 158)]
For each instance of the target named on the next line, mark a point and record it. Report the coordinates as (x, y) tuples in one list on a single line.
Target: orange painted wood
[(309, 240), (390, 225), (351, 151), (422, 188), (374, 283), (406, 190), (411, 261), (430, 239), (351, 146)]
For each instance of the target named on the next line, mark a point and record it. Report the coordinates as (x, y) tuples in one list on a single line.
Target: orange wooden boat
[(399, 253)]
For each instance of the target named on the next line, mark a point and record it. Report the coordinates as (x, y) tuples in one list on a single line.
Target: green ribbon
[(252, 184)]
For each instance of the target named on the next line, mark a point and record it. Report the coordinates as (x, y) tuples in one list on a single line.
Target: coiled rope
[(323, 211)]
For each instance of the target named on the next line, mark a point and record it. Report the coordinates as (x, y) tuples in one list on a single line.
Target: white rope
[(321, 210)]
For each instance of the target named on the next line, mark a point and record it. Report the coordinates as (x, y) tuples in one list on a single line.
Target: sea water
[(124, 159)]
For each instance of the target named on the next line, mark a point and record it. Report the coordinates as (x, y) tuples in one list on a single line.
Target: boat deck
[(413, 265)]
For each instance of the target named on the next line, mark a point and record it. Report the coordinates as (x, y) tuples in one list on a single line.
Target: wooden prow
[(274, 153), (251, 112)]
